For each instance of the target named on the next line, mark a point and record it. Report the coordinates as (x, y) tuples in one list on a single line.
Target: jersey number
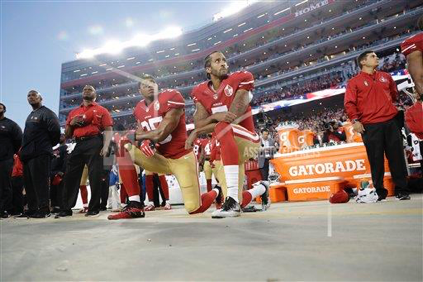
[(152, 124)]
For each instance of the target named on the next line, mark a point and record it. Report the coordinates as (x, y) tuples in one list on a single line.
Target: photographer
[(267, 149), (333, 132)]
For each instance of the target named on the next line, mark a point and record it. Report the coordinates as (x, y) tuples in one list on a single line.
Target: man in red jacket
[(369, 104)]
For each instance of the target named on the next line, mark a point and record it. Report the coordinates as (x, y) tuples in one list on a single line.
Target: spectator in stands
[(369, 104)]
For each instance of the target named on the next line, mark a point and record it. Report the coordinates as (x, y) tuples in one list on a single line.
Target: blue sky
[(38, 36)]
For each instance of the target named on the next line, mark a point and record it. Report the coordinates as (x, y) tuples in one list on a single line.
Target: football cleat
[(150, 207), (230, 208), (265, 199), (132, 210)]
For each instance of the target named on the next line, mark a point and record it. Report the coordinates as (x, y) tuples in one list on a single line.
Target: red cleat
[(128, 212)]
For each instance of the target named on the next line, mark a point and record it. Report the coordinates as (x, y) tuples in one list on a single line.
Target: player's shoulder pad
[(171, 96), (244, 76)]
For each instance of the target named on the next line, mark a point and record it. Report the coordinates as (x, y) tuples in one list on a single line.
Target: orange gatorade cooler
[(306, 138), (313, 189), (288, 137), (346, 161)]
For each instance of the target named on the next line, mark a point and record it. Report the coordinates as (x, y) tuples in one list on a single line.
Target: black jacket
[(10, 138), (42, 132)]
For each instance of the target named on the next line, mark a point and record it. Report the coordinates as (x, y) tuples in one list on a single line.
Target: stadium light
[(112, 47), (233, 8), (141, 40)]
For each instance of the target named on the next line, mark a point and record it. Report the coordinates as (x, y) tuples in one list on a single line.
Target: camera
[(263, 121), (327, 125)]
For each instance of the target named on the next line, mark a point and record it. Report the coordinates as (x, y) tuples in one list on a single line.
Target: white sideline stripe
[(411, 46), (367, 175), (247, 82), (334, 178), (254, 137), (176, 103)]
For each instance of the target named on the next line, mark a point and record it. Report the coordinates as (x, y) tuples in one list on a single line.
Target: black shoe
[(103, 208), (4, 214), (230, 208), (26, 214), (137, 205), (92, 213), (64, 213), (41, 214), (55, 210), (15, 213), (382, 194), (403, 196)]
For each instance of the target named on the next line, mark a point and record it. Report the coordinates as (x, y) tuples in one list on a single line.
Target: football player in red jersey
[(223, 107), (206, 151), (412, 49), (161, 121), (198, 151)]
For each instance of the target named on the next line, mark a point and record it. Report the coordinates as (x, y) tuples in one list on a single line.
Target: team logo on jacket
[(215, 96), (383, 79), (365, 83), (228, 90), (156, 106)]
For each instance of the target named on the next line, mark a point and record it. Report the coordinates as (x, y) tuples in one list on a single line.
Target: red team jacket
[(149, 118), (96, 118), (369, 98), (221, 100)]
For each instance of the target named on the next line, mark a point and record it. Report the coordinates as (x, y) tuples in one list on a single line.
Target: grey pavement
[(308, 241)]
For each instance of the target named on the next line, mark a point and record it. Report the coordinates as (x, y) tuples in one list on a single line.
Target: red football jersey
[(197, 148), (413, 43), (221, 100), (150, 117), (206, 146)]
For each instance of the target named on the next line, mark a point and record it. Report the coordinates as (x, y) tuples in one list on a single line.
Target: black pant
[(105, 188), (421, 153), (264, 171), (56, 194), (85, 152), (6, 167), (17, 196), (385, 138), (37, 182)]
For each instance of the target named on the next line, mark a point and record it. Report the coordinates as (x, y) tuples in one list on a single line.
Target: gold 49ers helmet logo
[(228, 90)]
